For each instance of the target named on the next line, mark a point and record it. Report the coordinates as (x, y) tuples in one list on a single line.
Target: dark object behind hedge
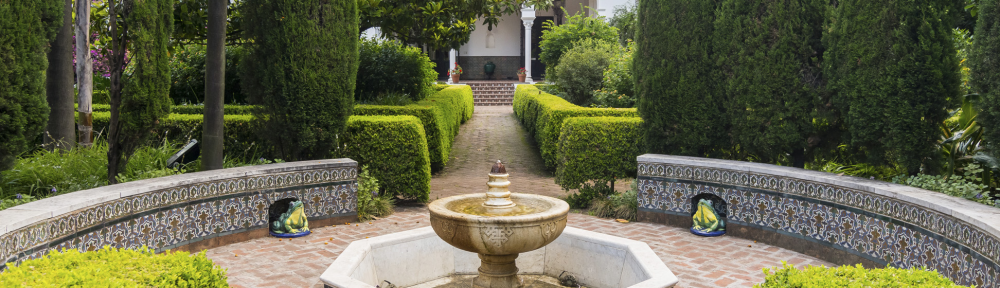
[(27, 27), (390, 67), (676, 76), (892, 68), (300, 70)]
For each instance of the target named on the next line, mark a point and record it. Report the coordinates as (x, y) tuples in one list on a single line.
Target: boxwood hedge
[(598, 148), (542, 114), (111, 267), (851, 276), (395, 150), (240, 137), (190, 109)]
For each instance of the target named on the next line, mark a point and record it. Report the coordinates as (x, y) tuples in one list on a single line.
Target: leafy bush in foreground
[(111, 267), (371, 204), (851, 276), (623, 205)]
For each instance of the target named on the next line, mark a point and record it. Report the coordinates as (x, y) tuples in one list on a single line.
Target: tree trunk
[(215, 86), (115, 91), (84, 73), (60, 133)]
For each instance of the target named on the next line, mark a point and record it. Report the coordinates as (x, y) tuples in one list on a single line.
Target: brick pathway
[(494, 133)]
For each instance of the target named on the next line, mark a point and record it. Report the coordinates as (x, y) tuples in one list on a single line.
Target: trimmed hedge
[(395, 150), (598, 148), (240, 137), (542, 114), (191, 109), (851, 276), (441, 114), (111, 267)]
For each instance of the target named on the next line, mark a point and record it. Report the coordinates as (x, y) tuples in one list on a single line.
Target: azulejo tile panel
[(879, 228), (176, 216)]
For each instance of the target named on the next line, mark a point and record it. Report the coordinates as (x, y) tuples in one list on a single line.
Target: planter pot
[(454, 78), (520, 77)]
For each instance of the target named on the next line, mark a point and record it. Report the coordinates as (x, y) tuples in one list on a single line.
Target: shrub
[(542, 115), (441, 115), (618, 205), (582, 67), (241, 139), (27, 28), (966, 186), (388, 67), (601, 149), (618, 76), (985, 70), (676, 79), (892, 68), (301, 68), (587, 193), (190, 109), (769, 52), (604, 98), (112, 267), (187, 74), (395, 150), (624, 19), (851, 276), (370, 203), (556, 40)]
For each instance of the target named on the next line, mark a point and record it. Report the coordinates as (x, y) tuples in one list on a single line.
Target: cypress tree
[(301, 71), (892, 68), (984, 62), (676, 78), (27, 28), (145, 94), (770, 53)]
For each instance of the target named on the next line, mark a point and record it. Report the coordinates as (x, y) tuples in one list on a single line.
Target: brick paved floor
[(491, 134)]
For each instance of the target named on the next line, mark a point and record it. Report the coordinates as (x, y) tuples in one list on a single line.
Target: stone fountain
[(498, 226)]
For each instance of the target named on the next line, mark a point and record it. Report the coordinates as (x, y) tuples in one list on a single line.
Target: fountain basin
[(419, 256), (496, 231)]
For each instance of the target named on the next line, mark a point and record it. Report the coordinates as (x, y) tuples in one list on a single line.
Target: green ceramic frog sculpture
[(706, 219), (293, 221)]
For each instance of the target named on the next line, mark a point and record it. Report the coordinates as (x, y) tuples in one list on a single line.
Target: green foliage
[(677, 81), (604, 98), (47, 173), (390, 67), (16, 200), (769, 52), (542, 115), (601, 149), (624, 19), (556, 40), (27, 28), (301, 68), (388, 99), (113, 267), (851, 276), (187, 73), (863, 170), (240, 139), (892, 68), (582, 67), (985, 70), (395, 150), (441, 114), (370, 204), (618, 76), (587, 193), (965, 186), (145, 96), (190, 109), (619, 205)]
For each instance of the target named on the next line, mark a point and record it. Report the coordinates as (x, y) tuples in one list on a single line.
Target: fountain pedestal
[(497, 271)]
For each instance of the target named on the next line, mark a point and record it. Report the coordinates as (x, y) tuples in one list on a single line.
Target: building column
[(528, 18), (452, 58)]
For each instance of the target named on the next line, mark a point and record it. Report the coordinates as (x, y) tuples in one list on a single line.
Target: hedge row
[(240, 138), (598, 148), (543, 114), (395, 150), (441, 114), (189, 109)]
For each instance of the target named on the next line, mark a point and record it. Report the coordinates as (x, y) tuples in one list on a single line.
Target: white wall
[(606, 8), (507, 35), (372, 33)]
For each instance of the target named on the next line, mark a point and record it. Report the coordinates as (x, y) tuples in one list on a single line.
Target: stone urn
[(498, 225)]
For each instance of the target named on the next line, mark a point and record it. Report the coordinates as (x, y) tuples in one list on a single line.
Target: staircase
[(491, 93)]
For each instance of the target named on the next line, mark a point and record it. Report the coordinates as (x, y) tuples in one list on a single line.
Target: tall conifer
[(984, 62)]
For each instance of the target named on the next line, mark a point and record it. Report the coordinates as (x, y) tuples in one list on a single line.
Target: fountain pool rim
[(558, 208)]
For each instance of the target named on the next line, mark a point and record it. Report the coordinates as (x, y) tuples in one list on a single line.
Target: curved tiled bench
[(841, 219), (183, 212)]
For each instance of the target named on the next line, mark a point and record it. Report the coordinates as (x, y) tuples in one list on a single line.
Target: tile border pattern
[(882, 229), (170, 217)]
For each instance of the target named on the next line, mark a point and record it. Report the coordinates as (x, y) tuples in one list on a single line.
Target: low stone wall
[(841, 219), (183, 212)]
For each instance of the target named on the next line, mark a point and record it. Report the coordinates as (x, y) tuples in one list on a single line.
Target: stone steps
[(491, 93)]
